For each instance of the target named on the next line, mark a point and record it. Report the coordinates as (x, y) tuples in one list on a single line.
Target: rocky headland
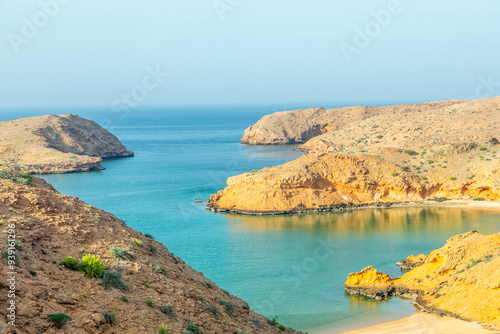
[(461, 280), (135, 286), (409, 153), (57, 144)]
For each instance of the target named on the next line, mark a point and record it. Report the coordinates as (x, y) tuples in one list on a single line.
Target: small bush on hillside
[(214, 310), (168, 310), (150, 236), (138, 242), (163, 329), (124, 299), (229, 306), (273, 321), (282, 328), (113, 279), (4, 174), (110, 317), (92, 266), (122, 254), (192, 328), (59, 319), (159, 270), (453, 178), (149, 303), (69, 263), (482, 148), (479, 199), (394, 174)]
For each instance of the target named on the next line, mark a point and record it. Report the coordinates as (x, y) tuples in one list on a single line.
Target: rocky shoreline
[(459, 280)]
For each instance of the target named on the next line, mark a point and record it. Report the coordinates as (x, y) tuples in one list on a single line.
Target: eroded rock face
[(50, 226), (57, 144), (461, 279), (412, 261)]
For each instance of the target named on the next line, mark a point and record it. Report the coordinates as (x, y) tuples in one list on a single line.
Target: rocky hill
[(444, 153), (57, 144), (140, 287), (298, 126), (461, 279)]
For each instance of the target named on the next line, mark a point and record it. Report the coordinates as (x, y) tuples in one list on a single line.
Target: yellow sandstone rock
[(461, 279)]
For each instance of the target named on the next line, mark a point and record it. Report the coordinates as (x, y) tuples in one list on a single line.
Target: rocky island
[(73, 268), (57, 144), (460, 280), (367, 155)]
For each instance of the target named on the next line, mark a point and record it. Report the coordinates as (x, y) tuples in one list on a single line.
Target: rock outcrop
[(424, 154), (57, 144), (461, 279), (148, 287)]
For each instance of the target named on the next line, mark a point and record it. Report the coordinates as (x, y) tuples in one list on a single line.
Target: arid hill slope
[(49, 227), (449, 152), (57, 144), (461, 279), (298, 126)]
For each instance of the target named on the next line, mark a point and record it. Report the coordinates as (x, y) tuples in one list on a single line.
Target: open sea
[(290, 266)]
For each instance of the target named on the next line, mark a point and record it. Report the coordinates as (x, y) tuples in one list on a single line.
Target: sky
[(124, 53)]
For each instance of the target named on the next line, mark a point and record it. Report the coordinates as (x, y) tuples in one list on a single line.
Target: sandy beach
[(421, 323)]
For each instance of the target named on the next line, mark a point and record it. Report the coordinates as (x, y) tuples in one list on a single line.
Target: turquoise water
[(290, 266)]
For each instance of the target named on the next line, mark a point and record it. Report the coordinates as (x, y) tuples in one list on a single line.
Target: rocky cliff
[(461, 279), (142, 287), (444, 153), (57, 144)]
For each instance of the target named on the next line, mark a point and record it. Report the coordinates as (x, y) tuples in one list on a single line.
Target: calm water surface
[(290, 266)]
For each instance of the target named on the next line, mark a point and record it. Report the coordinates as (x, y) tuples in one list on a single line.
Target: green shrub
[(209, 285), (16, 244), (59, 319), (122, 254), (162, 329), (282, 328), (192, 328), (113, 279), (479, 199), (124, 299), (4, 174), (423, 178), (153, 250), (394, 174), (69, 263), (453, 178), (92, 266), (149, 303), (273, 321), (229, 306), (159, 270), (482, 148), (138, 242), (430, 162), (410, 152), (33, 273), (168, 310), (214, 310), (110, 317), (150, 236)]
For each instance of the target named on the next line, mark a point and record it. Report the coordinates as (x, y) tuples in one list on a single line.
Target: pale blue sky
[(92, 52)]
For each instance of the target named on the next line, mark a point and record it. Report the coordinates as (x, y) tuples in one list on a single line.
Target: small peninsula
[(408, 153), (460, 280), (57, 144)]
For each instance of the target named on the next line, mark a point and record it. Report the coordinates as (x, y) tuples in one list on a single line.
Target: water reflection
[(371, 220)]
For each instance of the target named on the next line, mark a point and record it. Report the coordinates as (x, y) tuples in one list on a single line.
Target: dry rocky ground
[(443, 150), (147, 285), (57, 144), (461, 279)]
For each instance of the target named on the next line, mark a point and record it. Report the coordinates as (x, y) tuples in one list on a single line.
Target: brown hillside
[(50, 226)]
